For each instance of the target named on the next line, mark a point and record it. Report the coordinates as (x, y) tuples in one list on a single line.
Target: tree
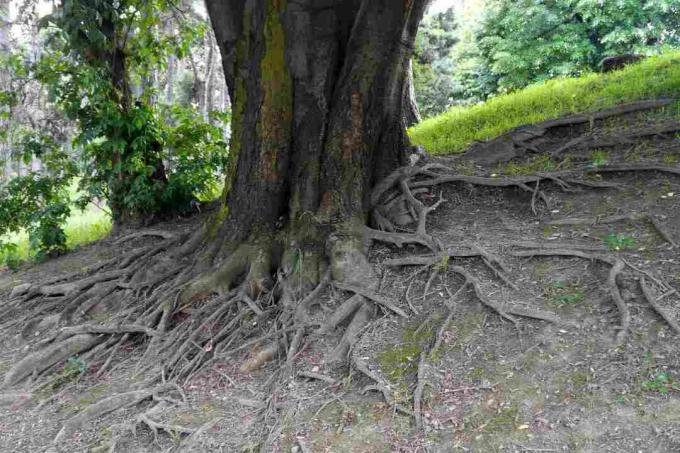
[(318, 137), (82, 100), (317, 96)]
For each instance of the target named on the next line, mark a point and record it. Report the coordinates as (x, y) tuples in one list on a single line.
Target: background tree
[(433, 63), (85, 85), (527, 41)]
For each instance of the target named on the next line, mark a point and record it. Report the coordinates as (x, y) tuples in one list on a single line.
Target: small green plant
[(74, 369), (444, 264), (599, 158), (563, 294), (619, 242), (670, 159), (550, 230), (661, 383), (9, 256)]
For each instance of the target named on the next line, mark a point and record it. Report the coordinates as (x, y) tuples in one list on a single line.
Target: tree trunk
[(120, 180), (318, 100), (171, 70), (209, 76)]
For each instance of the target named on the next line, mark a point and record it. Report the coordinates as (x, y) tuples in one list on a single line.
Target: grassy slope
[(453, 131), (81, 228)]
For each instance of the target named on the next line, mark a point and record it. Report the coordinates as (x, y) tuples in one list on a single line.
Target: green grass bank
[(453, 131)]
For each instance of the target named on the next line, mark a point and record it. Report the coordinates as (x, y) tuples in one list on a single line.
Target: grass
[(82, 227), (453, 131)]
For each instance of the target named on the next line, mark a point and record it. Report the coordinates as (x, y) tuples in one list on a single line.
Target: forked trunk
[(317, 94)]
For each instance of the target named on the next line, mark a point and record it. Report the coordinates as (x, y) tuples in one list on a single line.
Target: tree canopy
[(504, 45)]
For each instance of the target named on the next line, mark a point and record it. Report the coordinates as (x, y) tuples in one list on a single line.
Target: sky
[(438, 6)]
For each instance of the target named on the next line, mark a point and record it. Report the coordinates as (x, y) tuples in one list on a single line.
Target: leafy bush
[(525, 41)]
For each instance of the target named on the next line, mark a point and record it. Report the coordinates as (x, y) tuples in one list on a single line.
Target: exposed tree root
[(146, 419), (505, 312), (651, 299), (418, 392), (377, 298), (360, 320), (517, 142), (379, 385), (658, 226), (617, 267), (144, 233), (107, 405), (43, 359), (612, 140)]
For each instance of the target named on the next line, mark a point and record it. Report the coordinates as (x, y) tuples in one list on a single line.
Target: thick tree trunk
[(318, 107)]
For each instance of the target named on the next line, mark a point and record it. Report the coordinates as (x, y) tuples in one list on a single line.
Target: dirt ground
[(576, 383)]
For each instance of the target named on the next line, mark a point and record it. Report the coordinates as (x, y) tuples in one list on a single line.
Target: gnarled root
[(43, 359), (616, 269), (108, 405)]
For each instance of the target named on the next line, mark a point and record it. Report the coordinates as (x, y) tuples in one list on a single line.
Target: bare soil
[(456, 374)]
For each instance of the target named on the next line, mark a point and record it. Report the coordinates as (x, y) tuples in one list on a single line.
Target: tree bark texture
[(318, 92)]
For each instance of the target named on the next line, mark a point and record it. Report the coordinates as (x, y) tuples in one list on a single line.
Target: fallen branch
[(317, 376)]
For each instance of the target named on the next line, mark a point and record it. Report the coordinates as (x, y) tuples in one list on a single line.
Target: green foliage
[(433, 63), (599, 158), (454, 130), (81, 228), (37, 202), (619, 242), (542, 163), (197, 155), (141, 159), (661, 382), (527, 41)]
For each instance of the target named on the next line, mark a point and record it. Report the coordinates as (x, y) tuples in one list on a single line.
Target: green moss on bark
[(277, 94)]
